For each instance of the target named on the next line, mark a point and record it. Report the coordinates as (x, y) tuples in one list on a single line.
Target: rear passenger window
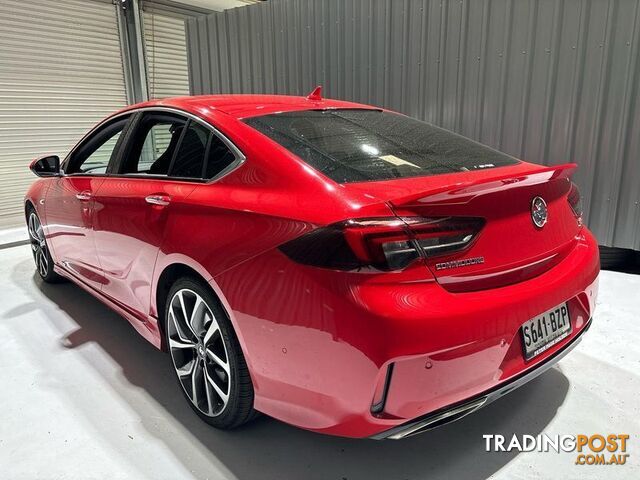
[(156, 149), (220, 157), (189, 162), (154, 145), (198, 144), (169, 145)]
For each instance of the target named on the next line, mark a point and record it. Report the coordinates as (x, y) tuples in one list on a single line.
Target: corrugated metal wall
[(550, 81)]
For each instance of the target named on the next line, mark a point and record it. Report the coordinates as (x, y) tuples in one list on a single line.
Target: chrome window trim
[(240, 158)]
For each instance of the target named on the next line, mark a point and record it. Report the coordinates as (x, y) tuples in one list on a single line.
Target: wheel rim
[(198, 352), (38, 245)]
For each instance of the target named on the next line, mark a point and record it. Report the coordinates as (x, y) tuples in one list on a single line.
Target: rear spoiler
[(464, 192)]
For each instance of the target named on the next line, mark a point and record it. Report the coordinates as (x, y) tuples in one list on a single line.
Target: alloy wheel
[(38, 244), (199, 352)]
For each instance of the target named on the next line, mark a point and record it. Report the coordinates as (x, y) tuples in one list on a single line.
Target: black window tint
[(220, 157), (364, 145), (189, 162)]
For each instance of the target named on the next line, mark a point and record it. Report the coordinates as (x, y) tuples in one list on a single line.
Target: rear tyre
[(40, 250), (206, 356)]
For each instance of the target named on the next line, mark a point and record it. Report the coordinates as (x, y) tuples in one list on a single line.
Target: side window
[(154, 144), (94, 155), (220, 157), (169, 144), (189, 162), (201, 154)]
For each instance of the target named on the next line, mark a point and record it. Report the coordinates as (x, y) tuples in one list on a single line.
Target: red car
[(337, 266)]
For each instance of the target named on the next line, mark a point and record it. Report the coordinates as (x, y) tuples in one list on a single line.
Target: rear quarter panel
[(269, 199)]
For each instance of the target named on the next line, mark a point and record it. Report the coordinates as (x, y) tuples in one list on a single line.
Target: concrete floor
[(83, 396)]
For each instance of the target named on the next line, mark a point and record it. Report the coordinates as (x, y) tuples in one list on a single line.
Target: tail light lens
[(442, 236), (575, 201), (382, 243)]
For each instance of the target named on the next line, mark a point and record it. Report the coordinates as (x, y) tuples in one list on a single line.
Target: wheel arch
[(28, 206), (35, 196), (168, 277), (176, 269)]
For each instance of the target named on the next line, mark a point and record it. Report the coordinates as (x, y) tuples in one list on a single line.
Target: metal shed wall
[(549, 81)]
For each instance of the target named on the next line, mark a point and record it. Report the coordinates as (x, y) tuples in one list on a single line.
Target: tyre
[(41, 255), (206, 356)]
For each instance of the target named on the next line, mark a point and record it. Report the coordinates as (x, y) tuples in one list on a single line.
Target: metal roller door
[(165, 53), (60, 73)]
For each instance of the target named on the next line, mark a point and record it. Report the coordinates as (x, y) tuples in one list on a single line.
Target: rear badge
[(460, 263), (539, 212)]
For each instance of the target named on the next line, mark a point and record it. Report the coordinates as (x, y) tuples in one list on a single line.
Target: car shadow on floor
[(267, 448)]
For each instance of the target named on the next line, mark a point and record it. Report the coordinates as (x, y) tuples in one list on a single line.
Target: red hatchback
[(340, 267)]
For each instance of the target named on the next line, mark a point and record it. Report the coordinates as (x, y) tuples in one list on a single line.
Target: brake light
[(442, 236), (575, 201), (382, 243)]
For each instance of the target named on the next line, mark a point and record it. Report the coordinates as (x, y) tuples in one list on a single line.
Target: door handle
[(158, 199), (84, 196)]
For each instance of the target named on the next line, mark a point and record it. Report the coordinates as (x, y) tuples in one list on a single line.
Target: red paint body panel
[(69, 226), (129, 232), (318, 341), (339, 330)]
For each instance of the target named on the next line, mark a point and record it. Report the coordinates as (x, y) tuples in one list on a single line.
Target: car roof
[(243, 106)]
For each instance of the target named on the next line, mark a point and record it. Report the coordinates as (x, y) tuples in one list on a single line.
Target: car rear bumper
[(320, 344), (459, 410)]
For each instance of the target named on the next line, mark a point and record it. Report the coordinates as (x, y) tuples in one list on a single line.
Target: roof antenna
[(316, 95)]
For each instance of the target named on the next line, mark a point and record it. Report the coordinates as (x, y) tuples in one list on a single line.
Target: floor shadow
[(268, 449)]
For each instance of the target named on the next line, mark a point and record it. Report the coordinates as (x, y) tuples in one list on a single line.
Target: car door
[(159, 167), (69, 202)]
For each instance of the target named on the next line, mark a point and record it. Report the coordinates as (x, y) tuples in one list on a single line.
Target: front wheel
[(207, 357), (41, 255)]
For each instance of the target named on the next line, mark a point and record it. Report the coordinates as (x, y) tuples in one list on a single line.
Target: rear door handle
[(158, 199), (84, 196)]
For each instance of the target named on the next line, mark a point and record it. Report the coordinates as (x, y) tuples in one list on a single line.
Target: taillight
[(575, 201), (442, 236), (382, 243)]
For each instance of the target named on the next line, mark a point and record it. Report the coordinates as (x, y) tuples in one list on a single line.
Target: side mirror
[(48, 166)]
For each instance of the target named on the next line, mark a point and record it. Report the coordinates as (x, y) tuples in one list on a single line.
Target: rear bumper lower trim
[(459, 410)]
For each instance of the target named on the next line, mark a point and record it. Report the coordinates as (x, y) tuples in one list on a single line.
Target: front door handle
[(84, 196), (158, 199)]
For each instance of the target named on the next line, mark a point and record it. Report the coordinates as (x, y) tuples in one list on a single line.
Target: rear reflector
[(382, 243), (382, 390)]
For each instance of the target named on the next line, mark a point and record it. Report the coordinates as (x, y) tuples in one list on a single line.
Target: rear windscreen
[(364, 145)]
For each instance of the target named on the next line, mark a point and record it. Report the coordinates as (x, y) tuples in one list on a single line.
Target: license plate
[(544, 331)]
